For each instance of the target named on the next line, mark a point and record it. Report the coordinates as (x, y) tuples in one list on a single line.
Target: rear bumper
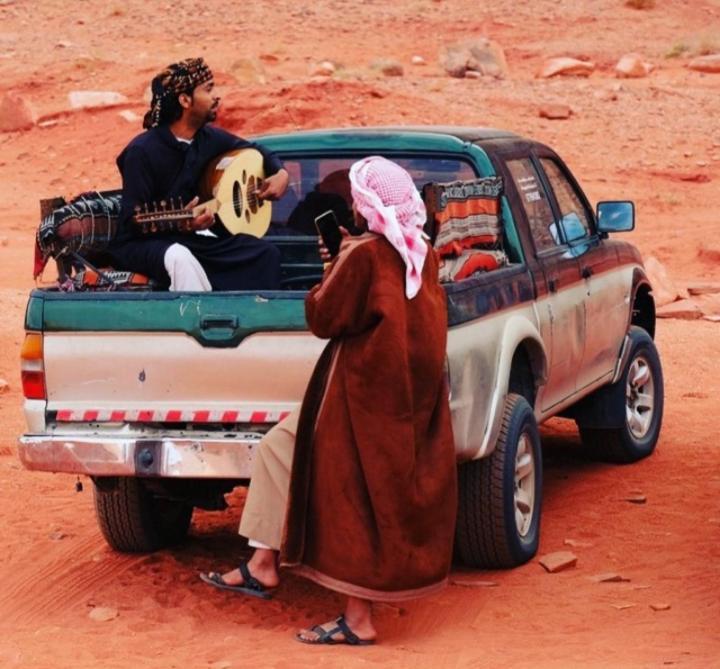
[(226, 457)]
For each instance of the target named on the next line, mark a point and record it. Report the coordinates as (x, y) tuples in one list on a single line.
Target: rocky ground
[(642, 128)]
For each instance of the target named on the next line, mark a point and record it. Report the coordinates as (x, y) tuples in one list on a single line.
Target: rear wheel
[(500, 496), (133, 520), (639, 394)]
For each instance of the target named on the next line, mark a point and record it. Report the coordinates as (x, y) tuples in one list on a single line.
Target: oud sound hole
[(237, 199)]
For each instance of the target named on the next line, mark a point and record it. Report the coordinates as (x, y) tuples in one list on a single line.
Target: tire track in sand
[(44, 586)]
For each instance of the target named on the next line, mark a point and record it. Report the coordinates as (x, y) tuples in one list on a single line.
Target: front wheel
[(134, 520), (639, 396), (500, 496)]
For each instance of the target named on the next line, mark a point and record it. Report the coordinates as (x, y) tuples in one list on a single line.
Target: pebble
[(129, 116), (660, 607), (103, 614), (323, 69), (621, 606), (554, 111), (609, 577), (4, 386), (636, 499), (469, 583), (89, 99), (558, 561)]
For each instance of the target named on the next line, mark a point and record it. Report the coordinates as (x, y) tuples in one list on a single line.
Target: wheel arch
[(528, 370), (642, 311), (520, 338)]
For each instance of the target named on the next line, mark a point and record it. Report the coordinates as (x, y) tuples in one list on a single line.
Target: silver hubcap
[(524, 485), (640, 397)]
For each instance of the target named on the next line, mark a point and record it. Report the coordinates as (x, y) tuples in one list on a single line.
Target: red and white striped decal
[(169, 416)]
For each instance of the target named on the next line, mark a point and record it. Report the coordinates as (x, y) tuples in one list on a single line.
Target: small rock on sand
[(390, 68), (15, 113), (91, 99), (609, 577), (632, 66), (709, 64), (660, 606), (555, 111), (554, 562), (470, 583), (4, 386), (703, 288), (686, 310), (664, 289), (103, 614), (571, 67), (324, 69)]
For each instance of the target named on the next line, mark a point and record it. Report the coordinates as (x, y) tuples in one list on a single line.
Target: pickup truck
[(162, 397)]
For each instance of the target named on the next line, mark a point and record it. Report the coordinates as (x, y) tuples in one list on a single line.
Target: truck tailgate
[(169, 357)]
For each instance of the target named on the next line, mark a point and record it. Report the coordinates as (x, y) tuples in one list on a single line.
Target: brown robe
[(373, 492)]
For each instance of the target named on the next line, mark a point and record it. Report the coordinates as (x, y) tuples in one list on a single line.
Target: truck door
[(560, 289), (607, 290)]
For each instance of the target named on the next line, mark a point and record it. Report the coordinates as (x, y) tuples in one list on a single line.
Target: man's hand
[(203, 220), (274, 187), (324, 253)]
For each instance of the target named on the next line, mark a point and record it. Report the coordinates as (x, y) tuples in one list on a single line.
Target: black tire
[(133, 520), (627, 443), (487, 532)]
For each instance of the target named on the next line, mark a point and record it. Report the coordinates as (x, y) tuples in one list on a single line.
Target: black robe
[(156, 166)]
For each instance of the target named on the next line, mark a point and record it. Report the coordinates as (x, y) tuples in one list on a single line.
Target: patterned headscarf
[(182, 77), (386, 197)]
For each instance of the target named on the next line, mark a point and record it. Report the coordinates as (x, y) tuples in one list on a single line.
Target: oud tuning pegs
[(163, 205)]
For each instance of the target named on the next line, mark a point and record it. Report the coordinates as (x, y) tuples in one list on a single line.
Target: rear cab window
[(319, 184)]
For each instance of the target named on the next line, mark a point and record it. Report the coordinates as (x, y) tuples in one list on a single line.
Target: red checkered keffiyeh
[(386, 197)]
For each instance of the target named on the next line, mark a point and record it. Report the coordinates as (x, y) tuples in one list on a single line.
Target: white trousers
[(186, 272)]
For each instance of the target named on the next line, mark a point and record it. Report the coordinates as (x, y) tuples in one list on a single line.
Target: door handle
[(587, 272)]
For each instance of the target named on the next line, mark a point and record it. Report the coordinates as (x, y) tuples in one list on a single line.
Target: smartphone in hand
[(329, 230)]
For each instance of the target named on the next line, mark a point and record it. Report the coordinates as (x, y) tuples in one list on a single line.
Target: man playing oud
[(165, 164)]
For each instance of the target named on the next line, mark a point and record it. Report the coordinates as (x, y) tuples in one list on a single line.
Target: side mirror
[(615, 216)]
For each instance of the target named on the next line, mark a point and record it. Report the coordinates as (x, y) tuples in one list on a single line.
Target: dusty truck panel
[(174, 391)]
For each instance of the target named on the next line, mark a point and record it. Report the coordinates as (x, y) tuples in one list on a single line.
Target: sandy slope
[(657, 142)]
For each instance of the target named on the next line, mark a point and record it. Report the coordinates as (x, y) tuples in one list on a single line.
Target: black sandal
[(250, 585), (325, 637)]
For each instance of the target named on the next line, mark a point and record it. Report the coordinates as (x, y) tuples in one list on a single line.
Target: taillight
[(32, 368)]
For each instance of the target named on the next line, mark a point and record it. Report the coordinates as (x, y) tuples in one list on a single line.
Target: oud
[(229, 188)]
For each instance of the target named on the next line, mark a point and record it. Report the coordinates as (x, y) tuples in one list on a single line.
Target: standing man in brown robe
[(372, 492)]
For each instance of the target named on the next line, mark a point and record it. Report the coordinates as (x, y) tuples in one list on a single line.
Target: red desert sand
[(67, 600)]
